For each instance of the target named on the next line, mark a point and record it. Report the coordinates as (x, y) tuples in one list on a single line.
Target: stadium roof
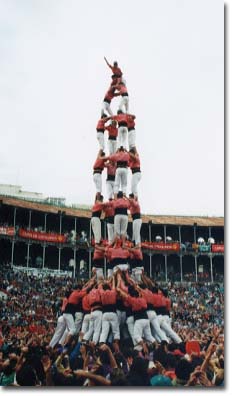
[(156, 219)]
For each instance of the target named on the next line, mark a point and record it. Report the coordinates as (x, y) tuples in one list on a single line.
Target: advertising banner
[(42, 236)]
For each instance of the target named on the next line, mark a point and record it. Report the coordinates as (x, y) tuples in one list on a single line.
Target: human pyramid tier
[(122, 156)]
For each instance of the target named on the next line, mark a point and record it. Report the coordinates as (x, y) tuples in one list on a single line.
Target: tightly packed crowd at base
[(187, 349)]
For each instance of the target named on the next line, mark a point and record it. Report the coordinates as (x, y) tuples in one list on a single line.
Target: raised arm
[(108, 64)]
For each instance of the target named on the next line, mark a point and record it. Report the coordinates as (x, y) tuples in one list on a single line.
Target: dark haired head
[(103, 115), (133, 292), (119, 112), (154, 289), (120, 194), (106, 286), (164, 292), (183, 370), (131, 195)]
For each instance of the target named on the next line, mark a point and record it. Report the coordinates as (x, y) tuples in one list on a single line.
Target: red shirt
[(131, 121), (99, 163), (76, 296), (108, 209), (85, 303), (94, 297), (108, 297), (109, 94), (97, 207), (122, 89), (119, 252), (148, 296), (121, 118), (98, 254), (134, 162), (137, 254), (120, 156), (137, 303), (116, 70), (121, 203), (111, 169), (112, 130), (157, 301), (101, 124), (134, 207)]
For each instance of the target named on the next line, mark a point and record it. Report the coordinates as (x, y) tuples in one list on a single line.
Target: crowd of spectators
[(30, 306)]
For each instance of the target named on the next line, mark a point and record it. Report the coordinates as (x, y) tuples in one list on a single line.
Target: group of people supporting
[(103, 310)]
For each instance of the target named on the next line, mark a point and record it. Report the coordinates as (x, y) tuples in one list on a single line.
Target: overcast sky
[(53, 79)]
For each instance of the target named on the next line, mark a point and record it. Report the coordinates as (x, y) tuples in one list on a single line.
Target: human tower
[(128, 300), (122, 158)]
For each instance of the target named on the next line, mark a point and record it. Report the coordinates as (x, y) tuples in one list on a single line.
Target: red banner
[(217, 248), (42, 236), (7, 231), (172, 246)]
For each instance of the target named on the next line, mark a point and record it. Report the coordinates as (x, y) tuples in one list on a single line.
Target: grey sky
[(53, 79)]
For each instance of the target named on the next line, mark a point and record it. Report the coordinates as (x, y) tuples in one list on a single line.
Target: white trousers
[(136, 231), (130, 325), (122, 136), (109, 273), (136, 177), (142, 326), (157, 332), (112, 146), (106, 108), (96, 227), (165, 324), (95, 327), (86, 323), (109, 320), (136, 274), (121, 180), (97, 178), (110, 188), (131, 138), (59, 331), (110, 232), (101, 141), (120, 224), (124, 104), (78, 321), (70, 324), (122, 267)]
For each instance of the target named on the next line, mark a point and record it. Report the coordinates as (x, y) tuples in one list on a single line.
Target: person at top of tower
[(117, 72)]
